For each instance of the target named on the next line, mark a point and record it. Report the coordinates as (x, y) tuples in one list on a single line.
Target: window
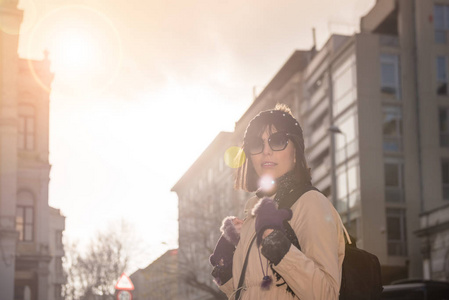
[(392, 129), (316, 85), (348, 125), (25, 216), (342, 183), (210, 204), (58, 266), (445, 178), (24, 222), (26, 127), (58, 240), (441, 75), (394, 176), (210, 175), (220, 165), (347, 181), (344, 86), (346, 143), (58, 291), (396, 232), (444, 127), (441, 23), (389, 75)]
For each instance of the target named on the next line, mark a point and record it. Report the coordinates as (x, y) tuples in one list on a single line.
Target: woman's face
[(271, 163)]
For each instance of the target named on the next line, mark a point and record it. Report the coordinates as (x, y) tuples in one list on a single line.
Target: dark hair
[(281, 119)]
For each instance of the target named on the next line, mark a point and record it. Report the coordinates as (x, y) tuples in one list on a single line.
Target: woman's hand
[(221, 258), (268, 217), (266, 233), (238, 223), (224, 249)]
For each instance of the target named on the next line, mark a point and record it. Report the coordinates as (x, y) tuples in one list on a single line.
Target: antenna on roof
[(314, 38)]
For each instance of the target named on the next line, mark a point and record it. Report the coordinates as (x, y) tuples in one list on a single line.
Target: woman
[(299, 237)]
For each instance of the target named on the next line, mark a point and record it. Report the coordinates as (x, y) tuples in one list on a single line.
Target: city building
[(57, 277), (374, 110), (409, 41), (434, 232), (30, 258), (433, 108), (158, 280), (205, 196)]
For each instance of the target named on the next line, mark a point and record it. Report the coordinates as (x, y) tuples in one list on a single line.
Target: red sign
[(124, 283)]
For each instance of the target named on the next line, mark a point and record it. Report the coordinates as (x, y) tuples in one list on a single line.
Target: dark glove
[(221, 258), (269, 217), (224, 249), (223, 253), (275, 246)]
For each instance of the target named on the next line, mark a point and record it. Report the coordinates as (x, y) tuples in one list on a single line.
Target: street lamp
[(335, 130)]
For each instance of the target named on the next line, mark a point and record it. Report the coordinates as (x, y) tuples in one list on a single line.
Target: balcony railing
[(318, 134), (322, 170)]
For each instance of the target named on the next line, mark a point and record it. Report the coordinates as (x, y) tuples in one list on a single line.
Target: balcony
[(32, 248), (316, 113), (322, 170), (318, 134), (312, 152)]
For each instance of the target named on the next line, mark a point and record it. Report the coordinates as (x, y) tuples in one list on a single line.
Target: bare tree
[(93, 272), (199, 231), (191, 274)]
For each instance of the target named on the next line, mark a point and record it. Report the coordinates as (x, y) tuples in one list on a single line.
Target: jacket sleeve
[(227, 288), (315, 271)]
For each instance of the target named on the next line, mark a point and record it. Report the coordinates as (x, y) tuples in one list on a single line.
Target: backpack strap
[(347, 236)]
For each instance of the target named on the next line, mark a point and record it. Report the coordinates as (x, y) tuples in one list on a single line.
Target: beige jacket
[(312, 273)]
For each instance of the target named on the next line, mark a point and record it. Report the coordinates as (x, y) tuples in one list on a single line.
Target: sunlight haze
[(142, 87)]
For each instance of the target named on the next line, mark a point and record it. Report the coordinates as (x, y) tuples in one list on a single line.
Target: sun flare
[(75, 50), (84, 49)]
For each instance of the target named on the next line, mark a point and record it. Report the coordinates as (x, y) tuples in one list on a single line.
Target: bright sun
[(84, 49), (75, 50)]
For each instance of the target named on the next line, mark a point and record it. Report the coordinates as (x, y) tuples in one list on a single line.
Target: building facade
[(57, 277), (374, 110), (206, 196), (158, 280), (432, 27), (412, 47), (29, 264)]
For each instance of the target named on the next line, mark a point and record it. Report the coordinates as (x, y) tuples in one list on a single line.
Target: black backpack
[(361, 273)]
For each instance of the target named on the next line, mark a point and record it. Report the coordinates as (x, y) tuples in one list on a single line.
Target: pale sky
[(142, 87)]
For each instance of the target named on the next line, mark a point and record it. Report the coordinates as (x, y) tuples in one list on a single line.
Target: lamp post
[(334, 129)]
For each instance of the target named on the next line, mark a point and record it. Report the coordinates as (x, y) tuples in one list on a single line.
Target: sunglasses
[(277, 141)]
